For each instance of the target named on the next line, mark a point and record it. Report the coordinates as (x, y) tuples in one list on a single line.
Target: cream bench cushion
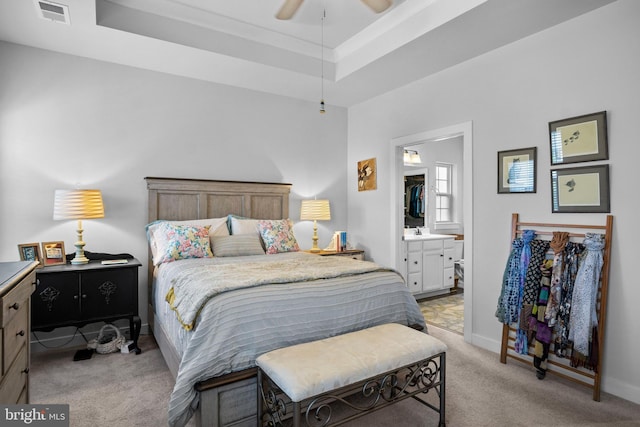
[(309, 369)]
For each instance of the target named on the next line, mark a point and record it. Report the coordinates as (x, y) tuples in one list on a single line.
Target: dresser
[(17, 282), (76, 295)]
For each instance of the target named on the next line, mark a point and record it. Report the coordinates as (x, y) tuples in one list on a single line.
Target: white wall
[(67, 121), (583, 66)]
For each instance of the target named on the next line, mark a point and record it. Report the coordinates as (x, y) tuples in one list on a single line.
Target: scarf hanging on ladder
[(584, 318), (510, 300)]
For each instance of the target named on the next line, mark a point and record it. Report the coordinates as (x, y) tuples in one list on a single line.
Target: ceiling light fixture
[(290, 7), (411, 157)]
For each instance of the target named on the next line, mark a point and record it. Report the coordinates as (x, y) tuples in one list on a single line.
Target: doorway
[(464, 131)]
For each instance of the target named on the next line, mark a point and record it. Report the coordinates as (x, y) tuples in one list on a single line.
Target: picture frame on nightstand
[(30, 252), (53, 253)]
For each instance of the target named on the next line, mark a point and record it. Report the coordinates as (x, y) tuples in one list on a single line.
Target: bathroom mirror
[(415, 198)]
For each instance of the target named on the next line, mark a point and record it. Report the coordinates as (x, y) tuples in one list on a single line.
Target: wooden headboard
[(182, 199)]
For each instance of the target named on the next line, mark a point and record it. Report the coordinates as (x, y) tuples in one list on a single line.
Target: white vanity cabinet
[(430, 263)]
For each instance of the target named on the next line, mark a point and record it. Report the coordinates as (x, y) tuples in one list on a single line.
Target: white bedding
[(236, 326)]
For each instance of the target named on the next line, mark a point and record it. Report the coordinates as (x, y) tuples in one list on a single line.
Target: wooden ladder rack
[(556, 365)]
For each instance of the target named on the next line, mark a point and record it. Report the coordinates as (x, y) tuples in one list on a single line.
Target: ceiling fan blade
[(378, 5), (288, 9)]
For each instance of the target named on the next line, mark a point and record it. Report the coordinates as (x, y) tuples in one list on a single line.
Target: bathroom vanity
[(429, 261)]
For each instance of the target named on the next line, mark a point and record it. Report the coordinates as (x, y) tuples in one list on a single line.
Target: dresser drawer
[(14, 383), (449, 254), (414, 282), (17, 298), (15, 334), (449, 277), (414, 262)]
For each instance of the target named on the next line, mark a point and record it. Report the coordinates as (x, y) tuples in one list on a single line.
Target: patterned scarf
[(571, 257), (539, 325), (558, 243), (530, 293), (510, 299), (583, 316)]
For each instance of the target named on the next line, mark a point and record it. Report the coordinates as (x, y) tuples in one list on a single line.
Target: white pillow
[(243, 225)]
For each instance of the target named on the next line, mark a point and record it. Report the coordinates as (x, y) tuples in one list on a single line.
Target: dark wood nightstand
[(76, 295), (351, 253)]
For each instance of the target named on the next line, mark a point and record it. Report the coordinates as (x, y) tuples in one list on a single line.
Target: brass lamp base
[(315, 247)]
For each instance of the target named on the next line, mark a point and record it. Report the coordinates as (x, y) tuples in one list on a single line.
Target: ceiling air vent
[(53, 11)]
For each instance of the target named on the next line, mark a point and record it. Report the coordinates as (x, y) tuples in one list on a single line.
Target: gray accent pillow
[(236, 245)]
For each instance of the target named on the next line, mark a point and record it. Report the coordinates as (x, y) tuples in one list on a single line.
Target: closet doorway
[(461, 131), (415, 182)]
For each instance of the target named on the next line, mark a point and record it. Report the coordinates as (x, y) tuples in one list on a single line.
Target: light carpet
[(133, 390)]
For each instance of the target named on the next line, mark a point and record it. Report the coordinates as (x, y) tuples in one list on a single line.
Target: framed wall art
[(30, 252), (367, 175), (579, 139), (582, 189), (517, 170), (53, 253)]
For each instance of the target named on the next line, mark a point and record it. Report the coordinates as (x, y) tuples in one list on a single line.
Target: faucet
[(418, 232)]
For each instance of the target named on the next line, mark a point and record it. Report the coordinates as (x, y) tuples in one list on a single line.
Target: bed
[(210, 338)]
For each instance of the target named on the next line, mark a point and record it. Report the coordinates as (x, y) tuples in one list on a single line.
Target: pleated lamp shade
[(311, 210), (315, 210), (78, 204)]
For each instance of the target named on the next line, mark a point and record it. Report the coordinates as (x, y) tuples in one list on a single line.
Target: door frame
[(464, 130)]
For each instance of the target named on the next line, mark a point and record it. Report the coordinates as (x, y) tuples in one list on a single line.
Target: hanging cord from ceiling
[(324, 15)]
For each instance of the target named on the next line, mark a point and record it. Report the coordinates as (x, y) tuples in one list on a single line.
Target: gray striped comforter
[(236, 326)]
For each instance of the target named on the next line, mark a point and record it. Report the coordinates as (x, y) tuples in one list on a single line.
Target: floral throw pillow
[(278, 236), (174, 242)]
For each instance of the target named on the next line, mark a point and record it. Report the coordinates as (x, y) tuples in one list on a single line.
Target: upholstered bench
[(357, 373)]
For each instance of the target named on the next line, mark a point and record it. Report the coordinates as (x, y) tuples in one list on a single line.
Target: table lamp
[(315, 210), (78, 204)]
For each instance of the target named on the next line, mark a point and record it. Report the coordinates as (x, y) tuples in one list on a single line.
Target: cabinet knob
[(26, 370), (21, 333), (15, 306), (84, 296), (415, 283), (75, 297), (415, 262)]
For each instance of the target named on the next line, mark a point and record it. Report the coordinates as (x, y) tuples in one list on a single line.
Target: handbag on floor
[(107, 343)]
